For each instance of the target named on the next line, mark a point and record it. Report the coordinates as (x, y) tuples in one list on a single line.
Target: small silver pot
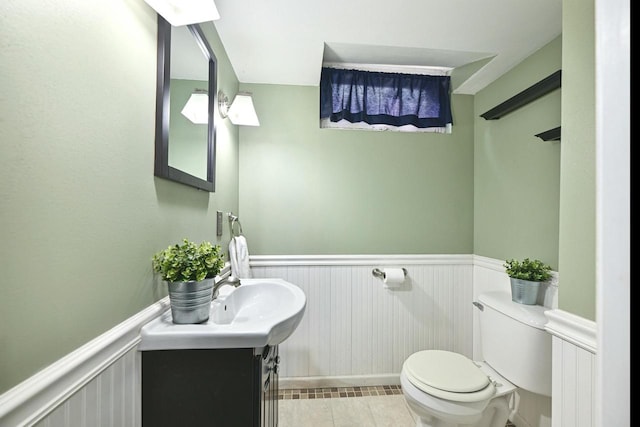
[(190, 301)]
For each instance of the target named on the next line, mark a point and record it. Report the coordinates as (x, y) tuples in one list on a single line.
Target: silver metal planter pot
[(190, 301), (524, 291)]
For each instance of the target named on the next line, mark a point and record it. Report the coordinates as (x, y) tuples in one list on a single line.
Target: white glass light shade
[(184, 12), (242, 111), (197, 108)]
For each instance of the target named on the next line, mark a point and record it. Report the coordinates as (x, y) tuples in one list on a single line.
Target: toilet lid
[(448, 375)]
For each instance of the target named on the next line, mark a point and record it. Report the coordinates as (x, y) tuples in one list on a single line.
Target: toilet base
[(444, 413), (435, 422), (495, 415)]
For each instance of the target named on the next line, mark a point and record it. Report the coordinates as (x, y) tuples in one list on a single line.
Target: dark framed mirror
[(184, 150)]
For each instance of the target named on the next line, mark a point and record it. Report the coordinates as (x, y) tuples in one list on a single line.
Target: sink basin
[(259, 312)]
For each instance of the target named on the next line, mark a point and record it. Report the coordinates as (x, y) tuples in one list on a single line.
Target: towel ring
[(234, 220)]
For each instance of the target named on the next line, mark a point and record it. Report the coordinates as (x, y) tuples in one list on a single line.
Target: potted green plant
[(526, 276), (189, 270)]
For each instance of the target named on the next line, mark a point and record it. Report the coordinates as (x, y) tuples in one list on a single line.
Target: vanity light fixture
[(197, 107), (180, 12), (241, 111)]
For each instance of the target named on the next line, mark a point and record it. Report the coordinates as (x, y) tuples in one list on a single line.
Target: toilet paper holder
[(381, 275)]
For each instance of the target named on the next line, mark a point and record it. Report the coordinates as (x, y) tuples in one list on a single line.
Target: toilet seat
[(448, 375)]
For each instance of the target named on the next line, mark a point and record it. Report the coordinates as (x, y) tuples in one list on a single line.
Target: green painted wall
[(82, 212), (306, 190), (517, 175), (578, 184)]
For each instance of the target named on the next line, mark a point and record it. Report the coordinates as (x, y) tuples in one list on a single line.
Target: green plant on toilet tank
[(525, 276), (189, 269), (527, 269)]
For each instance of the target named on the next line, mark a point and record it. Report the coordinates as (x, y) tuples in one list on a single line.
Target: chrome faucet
[(229, 280)]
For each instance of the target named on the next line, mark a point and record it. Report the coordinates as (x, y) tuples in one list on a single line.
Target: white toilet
[(446, 389)]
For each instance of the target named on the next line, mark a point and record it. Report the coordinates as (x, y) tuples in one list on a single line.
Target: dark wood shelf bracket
[(550, 135), (544, 86)]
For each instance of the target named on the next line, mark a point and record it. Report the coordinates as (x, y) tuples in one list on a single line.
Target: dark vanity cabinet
[(269, 390), (210, 387)]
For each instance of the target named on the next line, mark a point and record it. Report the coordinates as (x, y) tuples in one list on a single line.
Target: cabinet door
[(212, 388)]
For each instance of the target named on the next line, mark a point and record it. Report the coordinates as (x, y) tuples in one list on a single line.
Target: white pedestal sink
[(259, 312)]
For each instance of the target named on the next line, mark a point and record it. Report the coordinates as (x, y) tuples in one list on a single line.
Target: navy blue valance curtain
[(385, 98)]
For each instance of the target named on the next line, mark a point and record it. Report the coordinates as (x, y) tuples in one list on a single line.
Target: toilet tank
[(514, 341)]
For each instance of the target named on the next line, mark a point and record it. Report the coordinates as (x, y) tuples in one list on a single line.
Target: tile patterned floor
[(371, 406), (332, 392)]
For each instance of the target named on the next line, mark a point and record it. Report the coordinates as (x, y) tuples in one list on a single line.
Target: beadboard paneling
[(353, 326), (574, 369), (110, 399)]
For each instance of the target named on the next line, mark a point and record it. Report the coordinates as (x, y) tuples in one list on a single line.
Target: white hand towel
[(239, 257)]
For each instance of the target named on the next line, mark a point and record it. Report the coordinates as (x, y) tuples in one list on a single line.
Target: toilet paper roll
[(393, 277)]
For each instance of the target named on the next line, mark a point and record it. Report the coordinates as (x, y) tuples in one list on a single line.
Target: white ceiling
[(286, 41)]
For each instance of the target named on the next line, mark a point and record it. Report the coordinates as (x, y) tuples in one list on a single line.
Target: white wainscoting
[(110, 399), (354, 332), (357, 332), (574, 369)]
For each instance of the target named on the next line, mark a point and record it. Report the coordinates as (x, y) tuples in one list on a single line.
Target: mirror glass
[(185, 147)]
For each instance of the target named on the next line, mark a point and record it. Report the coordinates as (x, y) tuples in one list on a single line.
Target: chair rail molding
[(299, 260), (572, 328)]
